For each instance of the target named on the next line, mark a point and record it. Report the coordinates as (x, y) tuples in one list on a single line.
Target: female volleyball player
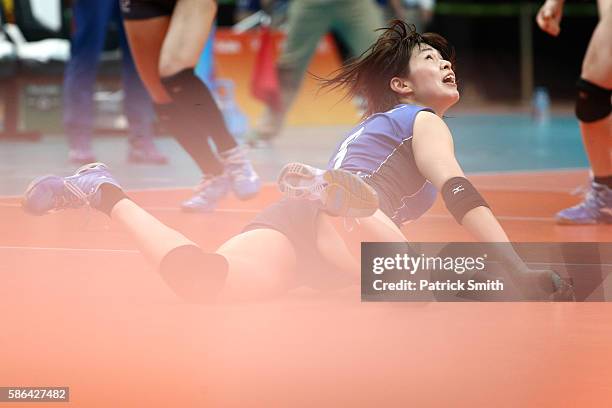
[(166, 38), (385, 173), (594, 89)]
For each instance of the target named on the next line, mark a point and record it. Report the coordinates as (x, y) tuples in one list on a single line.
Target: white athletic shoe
[(340, 192)]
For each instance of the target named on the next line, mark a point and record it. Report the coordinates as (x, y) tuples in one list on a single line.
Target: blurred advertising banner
[(235, 59)]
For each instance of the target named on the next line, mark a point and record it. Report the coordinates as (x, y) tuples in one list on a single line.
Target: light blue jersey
[(380, 150)]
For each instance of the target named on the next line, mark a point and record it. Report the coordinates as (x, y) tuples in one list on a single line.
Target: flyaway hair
[(369, 75)]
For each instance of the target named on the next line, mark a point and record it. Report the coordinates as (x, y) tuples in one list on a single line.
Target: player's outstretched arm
[(432, 143), (435, 157)]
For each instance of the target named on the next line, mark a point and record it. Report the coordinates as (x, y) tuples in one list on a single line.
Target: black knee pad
[(185, 87), (592, 101), (194, 100), (194, 275)]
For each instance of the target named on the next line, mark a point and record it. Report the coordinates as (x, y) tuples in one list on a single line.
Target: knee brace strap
[(592, 101)]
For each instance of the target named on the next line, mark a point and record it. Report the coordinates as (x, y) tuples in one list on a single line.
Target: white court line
[(101, 250), (133, 251), (518, 188), (150, 189), (499, 217), (252, 211), (167, 209), (527, 189), (607, 265), (529, 171), (218, 210), (556, 263)]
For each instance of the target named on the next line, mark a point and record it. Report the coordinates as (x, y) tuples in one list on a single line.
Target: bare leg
[(154, 239), (261, 262), (340, 194), (189, 29), (597, 68), (165, 50), (339, 241), (596, 138), (146, 38), (163, 46)]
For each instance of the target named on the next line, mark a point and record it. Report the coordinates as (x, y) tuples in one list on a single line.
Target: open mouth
[(449, 79)]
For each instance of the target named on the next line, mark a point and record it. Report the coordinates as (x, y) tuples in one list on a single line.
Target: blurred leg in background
[(353, 21), (167, 39), (137, 106), (417, 12), (91, 18), (593, 112)]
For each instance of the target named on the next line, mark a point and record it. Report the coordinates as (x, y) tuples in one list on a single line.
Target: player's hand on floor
[(544, 285)]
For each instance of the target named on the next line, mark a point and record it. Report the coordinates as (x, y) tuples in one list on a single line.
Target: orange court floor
[(81, 308)]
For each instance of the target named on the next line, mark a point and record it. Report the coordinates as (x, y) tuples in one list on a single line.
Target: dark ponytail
[(369, 75)]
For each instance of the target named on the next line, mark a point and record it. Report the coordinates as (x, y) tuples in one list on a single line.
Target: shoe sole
[(340, 192), (90, 166)]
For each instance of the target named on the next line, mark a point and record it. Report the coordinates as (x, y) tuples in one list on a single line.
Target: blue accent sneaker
[(208, 193), (245, 182), (340, 192), (54, 193), (595, 209)]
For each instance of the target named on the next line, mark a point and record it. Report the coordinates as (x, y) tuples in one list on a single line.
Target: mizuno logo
[(458, 189)]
